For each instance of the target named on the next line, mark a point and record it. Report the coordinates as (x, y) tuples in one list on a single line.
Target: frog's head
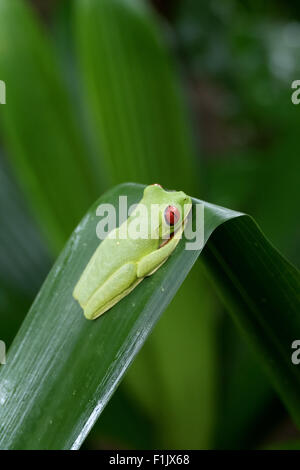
[(174, 207)]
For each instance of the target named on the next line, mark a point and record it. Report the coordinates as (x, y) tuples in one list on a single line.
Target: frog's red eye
[(172, 215)]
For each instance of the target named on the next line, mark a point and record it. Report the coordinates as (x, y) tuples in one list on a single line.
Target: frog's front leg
[(150, 263), (119, 284)]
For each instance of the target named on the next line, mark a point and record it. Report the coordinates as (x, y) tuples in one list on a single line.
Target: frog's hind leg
[(117, 286), (116, 299)]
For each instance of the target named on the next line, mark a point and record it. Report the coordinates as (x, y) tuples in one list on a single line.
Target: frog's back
[(110, 255)]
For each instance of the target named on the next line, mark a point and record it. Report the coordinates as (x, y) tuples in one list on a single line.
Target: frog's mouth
[(179, 230)]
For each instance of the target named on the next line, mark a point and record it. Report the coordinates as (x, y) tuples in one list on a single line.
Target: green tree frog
[(121, 262)]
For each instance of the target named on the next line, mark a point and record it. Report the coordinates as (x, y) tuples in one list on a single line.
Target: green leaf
[(262, 293), (62, 369), (72, 372)]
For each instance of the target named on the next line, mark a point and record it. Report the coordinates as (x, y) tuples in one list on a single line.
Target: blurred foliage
[(94, 98), (240, 59)]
